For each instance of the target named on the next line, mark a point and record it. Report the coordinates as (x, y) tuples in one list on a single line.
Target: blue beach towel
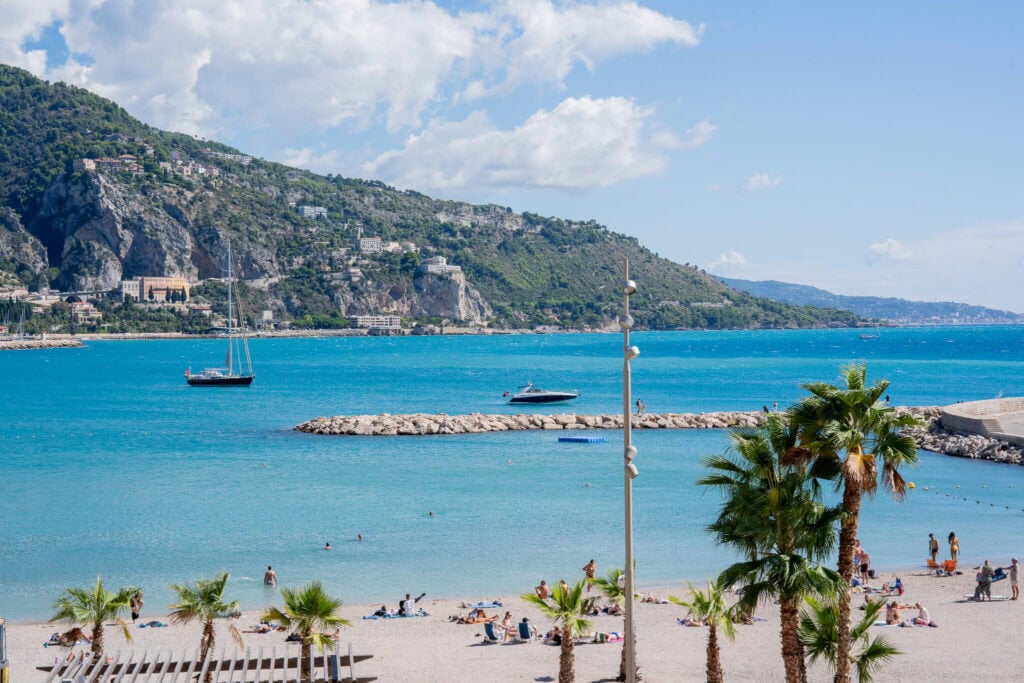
[(484, 605)]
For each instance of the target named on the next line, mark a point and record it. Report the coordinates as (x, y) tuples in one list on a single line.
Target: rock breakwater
[(475, 423), (30, 344), (931, 437)]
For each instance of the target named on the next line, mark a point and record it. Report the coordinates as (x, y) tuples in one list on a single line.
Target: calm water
[(111, 464)]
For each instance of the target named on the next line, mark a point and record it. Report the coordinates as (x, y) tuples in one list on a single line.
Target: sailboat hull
[(235, 381)]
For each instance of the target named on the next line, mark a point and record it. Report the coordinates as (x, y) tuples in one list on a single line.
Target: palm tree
[(204, 601), (710, 608), (567, 607), (309, 612), (819, 632), (612, 586), (772, 512), (91, 607), (846, 432)]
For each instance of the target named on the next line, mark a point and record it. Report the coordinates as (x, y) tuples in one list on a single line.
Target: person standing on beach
[(136, 606), (270, 577), (933, 547), (954, 545), (590, 568), (1014, 585)]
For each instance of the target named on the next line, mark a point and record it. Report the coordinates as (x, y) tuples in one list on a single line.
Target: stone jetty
[(931, 437), (475, 423), (30, 344)]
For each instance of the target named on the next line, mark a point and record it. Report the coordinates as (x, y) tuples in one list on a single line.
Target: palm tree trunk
[(305, 652), (714, 672), (205, 646), (847, 538), (97, 638), (792, 649), (566, 663)]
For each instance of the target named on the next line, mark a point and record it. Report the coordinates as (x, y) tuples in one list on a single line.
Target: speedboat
[(533, 394)]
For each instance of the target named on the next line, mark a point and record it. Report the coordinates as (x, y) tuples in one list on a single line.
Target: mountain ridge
[(892, 309), (92, 196)]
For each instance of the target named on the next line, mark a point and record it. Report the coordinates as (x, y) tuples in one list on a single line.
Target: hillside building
[(139, 288), (311, 211), (382, 321), (438, 265)]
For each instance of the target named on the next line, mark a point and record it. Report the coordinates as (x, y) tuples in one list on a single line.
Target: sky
[(870, 148)]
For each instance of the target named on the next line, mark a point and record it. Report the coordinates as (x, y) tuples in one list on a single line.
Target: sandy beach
[(970, 638)]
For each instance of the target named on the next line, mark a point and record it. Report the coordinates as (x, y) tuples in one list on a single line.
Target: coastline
[(432, 648)]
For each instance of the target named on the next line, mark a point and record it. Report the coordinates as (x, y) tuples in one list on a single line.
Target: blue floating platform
[(582, 439)]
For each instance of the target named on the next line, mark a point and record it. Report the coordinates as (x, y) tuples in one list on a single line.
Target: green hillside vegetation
[(530, 270)]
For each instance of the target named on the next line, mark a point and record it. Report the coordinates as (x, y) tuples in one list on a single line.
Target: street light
[(629, 469)]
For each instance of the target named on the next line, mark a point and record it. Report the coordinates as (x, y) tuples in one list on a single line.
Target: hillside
[(146, 202), (881, 308)]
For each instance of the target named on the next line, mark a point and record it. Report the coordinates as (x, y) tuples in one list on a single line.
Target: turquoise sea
[(111, 464)]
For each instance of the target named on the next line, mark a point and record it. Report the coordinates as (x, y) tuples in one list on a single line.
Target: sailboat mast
[(230, 313)]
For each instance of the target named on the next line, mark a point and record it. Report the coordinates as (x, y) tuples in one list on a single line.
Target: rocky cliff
[(20, 252)]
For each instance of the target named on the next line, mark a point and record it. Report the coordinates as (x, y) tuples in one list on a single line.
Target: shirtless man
[(270, 577), (542, 591), (590, 568)]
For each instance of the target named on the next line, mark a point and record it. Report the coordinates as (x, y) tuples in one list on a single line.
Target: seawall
[(31, 344), (931, 437)]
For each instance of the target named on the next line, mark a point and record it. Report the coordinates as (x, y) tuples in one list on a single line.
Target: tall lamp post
[(630, 471)]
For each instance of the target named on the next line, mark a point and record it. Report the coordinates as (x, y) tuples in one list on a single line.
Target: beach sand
[(973, 641)]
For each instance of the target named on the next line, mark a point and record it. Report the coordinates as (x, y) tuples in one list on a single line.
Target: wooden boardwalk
[(247, 667)]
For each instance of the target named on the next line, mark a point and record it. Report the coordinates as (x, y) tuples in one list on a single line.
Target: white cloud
[(24, 20), (698, 134), (583, 142), (727, 261), (762, 181), (539, 41), (310, 159), (203, 67), (887, 250)]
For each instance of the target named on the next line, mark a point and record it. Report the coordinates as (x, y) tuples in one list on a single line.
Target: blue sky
[(868, 148)]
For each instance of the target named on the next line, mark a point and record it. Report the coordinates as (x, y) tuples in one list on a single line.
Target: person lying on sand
[(687, 621)]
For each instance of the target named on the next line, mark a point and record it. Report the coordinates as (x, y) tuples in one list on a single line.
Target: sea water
[(111, 464)]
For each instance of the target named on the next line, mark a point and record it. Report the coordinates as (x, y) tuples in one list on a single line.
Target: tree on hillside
[(846, 432)]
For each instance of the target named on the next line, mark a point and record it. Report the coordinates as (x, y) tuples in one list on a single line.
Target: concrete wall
[(999, 418)]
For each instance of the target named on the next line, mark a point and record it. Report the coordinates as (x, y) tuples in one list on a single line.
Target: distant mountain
[(887, 308), (90, 196)]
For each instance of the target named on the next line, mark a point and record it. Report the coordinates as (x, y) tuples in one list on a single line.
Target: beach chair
[(932, 564), (491, 633), (949, 566), (523, 633)]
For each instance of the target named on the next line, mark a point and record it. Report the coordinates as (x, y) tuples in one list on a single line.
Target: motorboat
[(530, 393)]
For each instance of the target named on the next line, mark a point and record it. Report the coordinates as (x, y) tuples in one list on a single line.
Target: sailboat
[(227, 376)]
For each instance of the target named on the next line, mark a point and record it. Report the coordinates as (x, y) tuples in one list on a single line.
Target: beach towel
[(482, 605), (995, 598), (153, 624), (419, 613)]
